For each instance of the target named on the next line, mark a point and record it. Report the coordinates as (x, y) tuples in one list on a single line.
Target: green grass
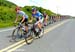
[(8, 24)]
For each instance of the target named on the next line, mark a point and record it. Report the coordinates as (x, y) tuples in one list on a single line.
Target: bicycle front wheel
[(17, 33)]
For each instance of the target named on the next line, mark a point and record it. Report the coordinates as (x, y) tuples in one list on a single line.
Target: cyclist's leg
[(37, 23), (26, 25), (40, 24), (45, 20)]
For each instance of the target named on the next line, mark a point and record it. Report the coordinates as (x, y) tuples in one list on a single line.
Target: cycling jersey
[(37, 15), (22, 14)]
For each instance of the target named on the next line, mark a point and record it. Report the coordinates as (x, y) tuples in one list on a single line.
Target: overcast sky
[(64, 7)]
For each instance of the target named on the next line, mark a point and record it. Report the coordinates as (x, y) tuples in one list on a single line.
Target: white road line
[(6, 30)]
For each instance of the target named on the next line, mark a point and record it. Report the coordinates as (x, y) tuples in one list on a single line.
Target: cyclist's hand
[(20, 23), (30, 21)]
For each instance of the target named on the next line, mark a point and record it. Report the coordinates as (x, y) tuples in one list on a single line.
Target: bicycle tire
[(28, 36), (16, 34), (13, 36)]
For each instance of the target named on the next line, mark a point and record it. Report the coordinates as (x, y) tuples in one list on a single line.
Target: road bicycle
[(19, 32)]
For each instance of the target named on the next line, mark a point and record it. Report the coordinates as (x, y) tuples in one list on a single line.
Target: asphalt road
[(60, 39)]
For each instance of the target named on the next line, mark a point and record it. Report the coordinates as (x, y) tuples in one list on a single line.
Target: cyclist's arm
[(46, 16), (16, 18), (23, 18), (31, 19)]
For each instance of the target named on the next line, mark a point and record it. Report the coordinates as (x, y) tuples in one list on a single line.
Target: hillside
[(7, 12)]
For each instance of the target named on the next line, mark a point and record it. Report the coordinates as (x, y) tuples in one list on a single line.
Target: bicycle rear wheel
[(28, 36)]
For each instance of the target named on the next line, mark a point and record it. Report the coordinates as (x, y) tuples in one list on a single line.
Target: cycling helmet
[(34, 9)]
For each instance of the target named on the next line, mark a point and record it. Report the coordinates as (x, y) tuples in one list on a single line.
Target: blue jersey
[(37, 15), (21, 13)]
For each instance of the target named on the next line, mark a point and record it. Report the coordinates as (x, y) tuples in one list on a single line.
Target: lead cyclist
[(24, 17)]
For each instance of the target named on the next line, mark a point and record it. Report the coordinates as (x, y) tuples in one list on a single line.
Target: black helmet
[(34, 9)]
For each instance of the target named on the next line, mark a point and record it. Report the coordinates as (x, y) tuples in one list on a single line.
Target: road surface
[(60, 37)]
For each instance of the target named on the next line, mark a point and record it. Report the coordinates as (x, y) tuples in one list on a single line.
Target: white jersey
[(22, 14)]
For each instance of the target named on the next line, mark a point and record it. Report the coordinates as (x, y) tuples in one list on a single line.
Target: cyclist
[(39, 18), (45, 18), (23, 19)]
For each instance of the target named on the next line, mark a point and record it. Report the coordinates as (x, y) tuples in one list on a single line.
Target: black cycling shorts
[(37, 19), (25, 21)]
